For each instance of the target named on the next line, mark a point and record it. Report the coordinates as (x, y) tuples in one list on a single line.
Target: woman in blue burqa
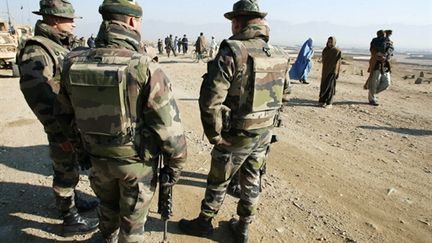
[(303, 65)]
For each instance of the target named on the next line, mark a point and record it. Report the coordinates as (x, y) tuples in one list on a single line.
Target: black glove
[(84, 160), (174, 176)]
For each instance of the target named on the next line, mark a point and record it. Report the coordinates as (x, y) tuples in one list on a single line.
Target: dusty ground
[(352, 173)]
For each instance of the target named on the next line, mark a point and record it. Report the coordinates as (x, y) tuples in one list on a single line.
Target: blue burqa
[(302, 66)]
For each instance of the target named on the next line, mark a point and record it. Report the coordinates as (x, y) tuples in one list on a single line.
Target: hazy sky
[(353, 13)]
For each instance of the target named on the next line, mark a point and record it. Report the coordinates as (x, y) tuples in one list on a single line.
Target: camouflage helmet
[(124, 7), (58, 8), (245, 8)]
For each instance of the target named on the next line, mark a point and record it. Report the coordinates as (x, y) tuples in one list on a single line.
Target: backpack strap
[(55, 51), (240, 53)]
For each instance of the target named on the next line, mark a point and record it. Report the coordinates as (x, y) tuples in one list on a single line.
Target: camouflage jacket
[(40, 63), (225, 78), (158, 126)]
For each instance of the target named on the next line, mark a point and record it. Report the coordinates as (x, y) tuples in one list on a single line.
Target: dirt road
[(352, 173)]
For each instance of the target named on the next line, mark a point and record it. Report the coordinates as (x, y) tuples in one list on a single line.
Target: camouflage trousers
[(66, 175), (247, 154), (125, 188)]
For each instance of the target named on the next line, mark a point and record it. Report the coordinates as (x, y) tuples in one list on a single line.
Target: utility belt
[(256, 120), (106, 140), (112, 151), (110, 146)]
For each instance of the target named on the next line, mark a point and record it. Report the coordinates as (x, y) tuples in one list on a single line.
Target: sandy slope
[(352, 173)]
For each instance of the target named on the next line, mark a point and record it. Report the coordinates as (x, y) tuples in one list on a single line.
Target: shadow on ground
[(34, 159), (190, 61), (314, 103), (221, 231), (350, 102), (28, 211), (193, 179), (302, 102), (28, 214), (401, 130)]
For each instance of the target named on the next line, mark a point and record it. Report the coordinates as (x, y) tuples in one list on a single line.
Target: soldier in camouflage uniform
[(123, 107), (40, 62), (239, 102)]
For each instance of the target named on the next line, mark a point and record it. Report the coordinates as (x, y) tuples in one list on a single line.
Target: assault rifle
[(165, 196), (263, 170)]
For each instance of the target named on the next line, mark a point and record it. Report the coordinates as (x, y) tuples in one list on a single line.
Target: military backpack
[(257, 92), (104, 95)]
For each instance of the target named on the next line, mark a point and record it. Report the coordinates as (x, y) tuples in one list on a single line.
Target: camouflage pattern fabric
[(124, 7), (245, 8), (231, 71), (234, 81), (124, 202), (123, 166), (59, 8), (246, 155), (265, 92), (111, 35), (40, 71)]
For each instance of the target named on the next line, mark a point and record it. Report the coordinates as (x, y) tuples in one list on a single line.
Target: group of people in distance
[(179, 45), (331, 61), (381, 49), (176, 45)]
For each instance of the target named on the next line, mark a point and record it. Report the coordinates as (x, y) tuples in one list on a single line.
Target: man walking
[(377, 45), (179, 45), (185, 42), (175, 45), (213, 47), (160, 46), (239, 102), (200, 45), (40, 62), (380, 70), (125, 112), (169, 45)]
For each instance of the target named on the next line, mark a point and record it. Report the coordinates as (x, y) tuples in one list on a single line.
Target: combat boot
[(84, 205), (200, 226), (75, 224), (105, 238), (239, 229), (113, 238)]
